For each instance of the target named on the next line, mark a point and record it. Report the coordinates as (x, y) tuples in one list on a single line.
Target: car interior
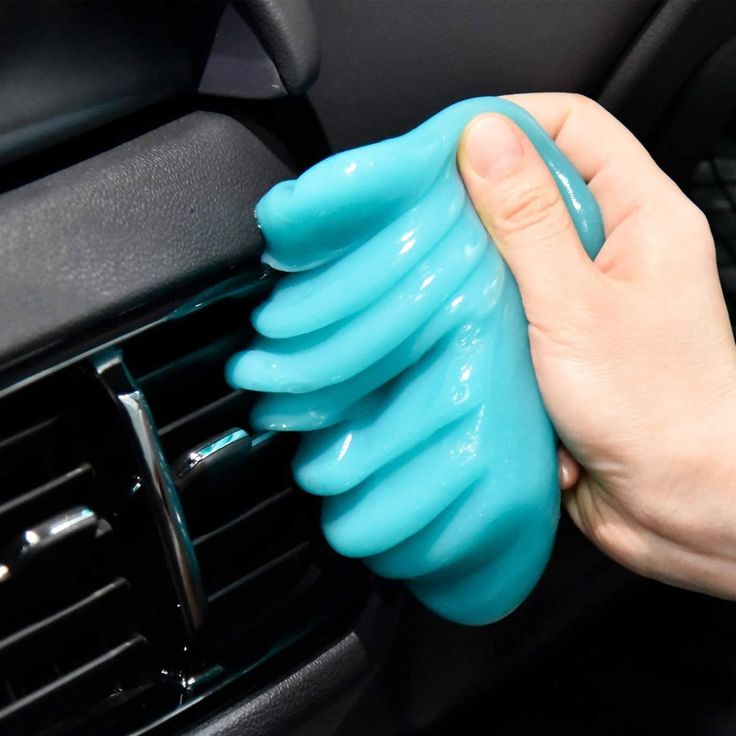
[(160, 573)]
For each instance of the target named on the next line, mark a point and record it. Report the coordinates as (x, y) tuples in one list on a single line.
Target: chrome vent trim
[(156, 482)]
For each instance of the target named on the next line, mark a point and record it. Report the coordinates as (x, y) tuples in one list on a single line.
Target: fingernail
[(493, 148), (568, 471), (564, 477)]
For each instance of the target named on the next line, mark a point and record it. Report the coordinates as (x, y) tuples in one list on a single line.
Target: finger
[(520, 205), (621, 174)]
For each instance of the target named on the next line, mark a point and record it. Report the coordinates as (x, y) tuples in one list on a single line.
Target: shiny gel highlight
[(399, 347)]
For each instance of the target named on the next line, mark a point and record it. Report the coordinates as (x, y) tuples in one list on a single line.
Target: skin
[(633, 352)]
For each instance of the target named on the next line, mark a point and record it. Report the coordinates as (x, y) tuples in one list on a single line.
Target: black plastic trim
[(134, 228)]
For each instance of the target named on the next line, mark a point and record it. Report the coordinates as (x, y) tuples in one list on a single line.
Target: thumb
[(520, 205)]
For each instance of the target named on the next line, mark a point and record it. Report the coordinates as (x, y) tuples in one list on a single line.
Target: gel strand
[(398, 345)]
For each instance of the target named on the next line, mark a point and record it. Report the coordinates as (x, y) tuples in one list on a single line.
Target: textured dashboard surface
[(134, 226)]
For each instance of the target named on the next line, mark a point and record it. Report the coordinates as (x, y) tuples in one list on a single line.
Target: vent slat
[(49, 496), (189, 366), (215, 409), (262, 578), (34, 454), (204, 421), (192, 380), (252, 539), (95, 678), (250, 515), (29, 433), (40, 633)]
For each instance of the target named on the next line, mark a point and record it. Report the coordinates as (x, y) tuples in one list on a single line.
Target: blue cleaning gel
[(399, 347)]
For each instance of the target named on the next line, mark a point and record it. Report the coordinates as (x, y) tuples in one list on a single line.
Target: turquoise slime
[(399, 346)]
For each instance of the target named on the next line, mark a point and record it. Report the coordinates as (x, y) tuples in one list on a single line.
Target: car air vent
[(255, 536), (68, 632), (153, 549)]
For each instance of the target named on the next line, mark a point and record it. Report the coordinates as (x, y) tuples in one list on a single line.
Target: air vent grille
[(153, 548), (67, 632)]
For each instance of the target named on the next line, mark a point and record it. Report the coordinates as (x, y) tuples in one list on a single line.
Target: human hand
[(633, 352)]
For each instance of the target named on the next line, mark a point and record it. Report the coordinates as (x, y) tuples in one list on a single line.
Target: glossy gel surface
[(400, 349)]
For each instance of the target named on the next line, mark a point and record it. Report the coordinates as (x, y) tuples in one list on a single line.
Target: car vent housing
[(153, 548)]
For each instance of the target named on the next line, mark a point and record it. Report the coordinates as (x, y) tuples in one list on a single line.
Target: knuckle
[(606, 538), (700, 225), (535, 208), (695, 219), (613, 532), (621, 544), (697, 229), (584, 102)]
